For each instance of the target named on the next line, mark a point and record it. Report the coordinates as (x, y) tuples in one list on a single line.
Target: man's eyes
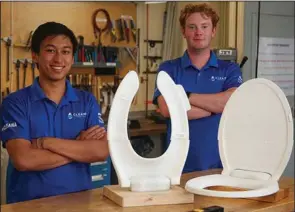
[(195, 27), (66, 52), (53, 51), (50, 50)]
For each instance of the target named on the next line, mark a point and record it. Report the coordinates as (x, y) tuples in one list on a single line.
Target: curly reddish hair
[(204, 9)]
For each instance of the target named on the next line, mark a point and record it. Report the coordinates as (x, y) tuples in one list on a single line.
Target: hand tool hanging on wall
[(132, 53), (8, 45), (113, 32), (138, 52), (121, 30), (104, 99), (98, 29), (133, 29), (70, 78), (17, 66), (126, 30), (28, 44), (81, 56), (100, 54), (33, 65), (25, 65), (89, 83), (244, 60)]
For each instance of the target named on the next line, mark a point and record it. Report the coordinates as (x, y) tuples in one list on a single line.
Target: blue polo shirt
[(29, 114), (216, 76)]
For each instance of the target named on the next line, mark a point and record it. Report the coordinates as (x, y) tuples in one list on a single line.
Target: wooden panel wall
[(26, 16)]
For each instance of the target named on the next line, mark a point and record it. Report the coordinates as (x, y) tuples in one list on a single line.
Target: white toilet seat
[(127, 163), (256, 188), (255, 142)]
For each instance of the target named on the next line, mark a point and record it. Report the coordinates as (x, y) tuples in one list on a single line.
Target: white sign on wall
[(276, 62)]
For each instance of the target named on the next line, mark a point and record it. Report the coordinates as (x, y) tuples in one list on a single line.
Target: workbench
[(93, 200), (148, 127)]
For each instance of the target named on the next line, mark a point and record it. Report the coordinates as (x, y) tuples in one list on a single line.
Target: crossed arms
[(202, 105), (48, 153)]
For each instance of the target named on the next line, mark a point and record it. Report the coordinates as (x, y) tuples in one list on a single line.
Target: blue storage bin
[(101, 173)]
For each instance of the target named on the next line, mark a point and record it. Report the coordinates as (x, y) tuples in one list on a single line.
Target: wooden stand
[(280, 201), (281, 194), (125, 198)]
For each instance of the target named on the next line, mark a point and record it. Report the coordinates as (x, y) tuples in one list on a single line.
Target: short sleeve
[(13, 121), (233, 78), (94, 114), (167, 67)]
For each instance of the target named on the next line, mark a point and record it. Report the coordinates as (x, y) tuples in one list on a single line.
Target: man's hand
[(95, 132)]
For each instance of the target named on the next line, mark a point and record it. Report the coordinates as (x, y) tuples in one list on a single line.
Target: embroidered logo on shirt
[(99, 118), (217, 78), (9, 125), (70, 116), (80, 115), (76, 115)]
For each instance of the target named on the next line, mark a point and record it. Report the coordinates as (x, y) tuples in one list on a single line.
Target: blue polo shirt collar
[(38, 94), (186, 62)]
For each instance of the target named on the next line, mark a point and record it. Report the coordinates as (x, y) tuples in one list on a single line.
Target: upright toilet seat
[(255, 142), (127, 163)]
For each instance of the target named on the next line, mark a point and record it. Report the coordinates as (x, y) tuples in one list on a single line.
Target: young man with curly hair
[(208, 81)]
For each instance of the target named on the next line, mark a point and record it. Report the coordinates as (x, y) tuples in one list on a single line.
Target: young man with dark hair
[(52, 132), (208, 81)]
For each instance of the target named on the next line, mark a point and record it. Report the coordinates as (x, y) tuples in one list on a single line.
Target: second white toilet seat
[(256, 187), (255, 140)]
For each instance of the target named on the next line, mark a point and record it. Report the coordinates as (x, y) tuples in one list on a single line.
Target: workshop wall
[(20, 18), (77, 15)]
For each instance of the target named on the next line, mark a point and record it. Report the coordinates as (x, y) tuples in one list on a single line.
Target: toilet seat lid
[(256, 130)]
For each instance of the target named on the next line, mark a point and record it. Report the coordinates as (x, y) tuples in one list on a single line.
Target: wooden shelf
[(153, 57), (82, 71), (92, 65), (154, 41)]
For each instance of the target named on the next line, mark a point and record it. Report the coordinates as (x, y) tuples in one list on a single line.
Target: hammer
[(17, 66), (25, 65), (33, 65)]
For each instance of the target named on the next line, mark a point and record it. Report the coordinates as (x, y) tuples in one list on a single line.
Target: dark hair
[(49, 29)]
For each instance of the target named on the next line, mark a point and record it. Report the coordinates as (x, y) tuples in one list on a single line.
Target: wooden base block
[(125, 198)]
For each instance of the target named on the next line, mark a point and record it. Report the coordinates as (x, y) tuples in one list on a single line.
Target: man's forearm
[(39, 160), (86, 151), (193, 113), (197, 113), (214, 103)]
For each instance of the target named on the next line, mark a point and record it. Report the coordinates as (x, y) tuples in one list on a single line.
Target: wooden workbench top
[(148, 127), (93, 200)]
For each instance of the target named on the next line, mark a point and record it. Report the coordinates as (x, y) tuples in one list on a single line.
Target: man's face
[(198, 31), (55, 57)]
